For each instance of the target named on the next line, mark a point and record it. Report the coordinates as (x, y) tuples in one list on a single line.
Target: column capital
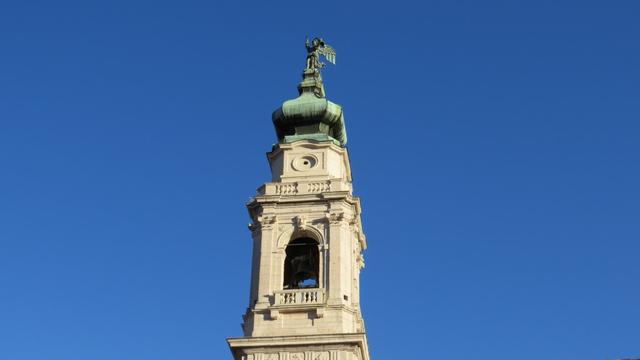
[(263, 222), (335, 217)]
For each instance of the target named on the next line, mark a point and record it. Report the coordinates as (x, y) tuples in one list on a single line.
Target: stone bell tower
[(304, 302)]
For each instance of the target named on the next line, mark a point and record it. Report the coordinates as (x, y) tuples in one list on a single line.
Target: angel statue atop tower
[(315, 48)]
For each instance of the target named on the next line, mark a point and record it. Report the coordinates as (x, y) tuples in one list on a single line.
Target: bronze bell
[(303, 268), (301, 264)]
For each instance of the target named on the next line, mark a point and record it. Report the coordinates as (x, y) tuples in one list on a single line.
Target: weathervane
[(315, 48)]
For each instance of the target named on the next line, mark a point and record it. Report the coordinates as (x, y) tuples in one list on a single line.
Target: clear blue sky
[(495, 146)]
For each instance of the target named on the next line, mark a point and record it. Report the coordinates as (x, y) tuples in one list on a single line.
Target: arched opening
[(301, 264)]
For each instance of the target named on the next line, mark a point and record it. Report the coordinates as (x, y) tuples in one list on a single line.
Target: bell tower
[(304, 302)]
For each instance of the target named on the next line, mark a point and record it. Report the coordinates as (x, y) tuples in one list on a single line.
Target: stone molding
[(317, 347), (288, 232)]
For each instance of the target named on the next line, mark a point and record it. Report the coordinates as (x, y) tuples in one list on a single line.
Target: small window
[(301, 264)]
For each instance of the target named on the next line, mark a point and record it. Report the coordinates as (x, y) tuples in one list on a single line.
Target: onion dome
[(310, 116)]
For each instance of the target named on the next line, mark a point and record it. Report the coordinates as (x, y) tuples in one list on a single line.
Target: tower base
[(308, 347)]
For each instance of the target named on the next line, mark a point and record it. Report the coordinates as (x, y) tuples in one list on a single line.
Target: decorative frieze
[(301, 347), (306, 355), (297, 356)]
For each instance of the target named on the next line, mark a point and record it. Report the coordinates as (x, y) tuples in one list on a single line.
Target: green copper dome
[(310, 116)]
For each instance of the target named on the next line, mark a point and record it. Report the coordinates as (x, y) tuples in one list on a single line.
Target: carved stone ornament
[(336, 217), (296, 356), (320, 356), (360, 261), (300, 222), (266, 220)]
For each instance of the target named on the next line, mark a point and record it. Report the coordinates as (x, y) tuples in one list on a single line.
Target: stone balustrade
[(303, 187), (299, 297)]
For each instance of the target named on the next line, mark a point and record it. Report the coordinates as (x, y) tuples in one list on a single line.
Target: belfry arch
[(294, 243), (292, 233), (301, 264)]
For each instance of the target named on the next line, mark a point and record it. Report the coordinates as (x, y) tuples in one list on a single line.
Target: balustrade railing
[(286, 188), (299, 297)]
